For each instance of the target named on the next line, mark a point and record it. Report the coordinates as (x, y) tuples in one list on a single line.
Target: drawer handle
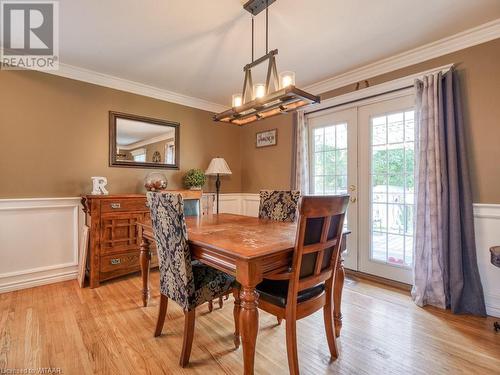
[(115, 261), (115, 205)]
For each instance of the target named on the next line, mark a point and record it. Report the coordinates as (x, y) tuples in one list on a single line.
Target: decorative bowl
[(155, 181)]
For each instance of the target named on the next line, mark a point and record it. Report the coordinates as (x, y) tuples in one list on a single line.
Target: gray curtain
[(445, 270), (300, 160)]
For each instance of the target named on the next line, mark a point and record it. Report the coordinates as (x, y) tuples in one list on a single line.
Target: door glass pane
[(392, 188), (329, 166)]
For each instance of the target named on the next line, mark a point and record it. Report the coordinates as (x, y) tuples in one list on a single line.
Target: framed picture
[(267, 138), (84, 245)]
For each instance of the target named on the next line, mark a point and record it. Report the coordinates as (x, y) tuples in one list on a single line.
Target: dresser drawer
[(124, 205), (119, 264), (122, 264)]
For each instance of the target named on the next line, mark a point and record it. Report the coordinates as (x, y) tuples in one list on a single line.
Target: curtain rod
[(443, 69), (358, 100)]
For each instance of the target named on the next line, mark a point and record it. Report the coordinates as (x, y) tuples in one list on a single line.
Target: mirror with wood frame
[(142, 142)]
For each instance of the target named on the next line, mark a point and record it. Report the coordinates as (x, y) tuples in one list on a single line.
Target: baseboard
[(30, 280), (378, 279), (492, 304)]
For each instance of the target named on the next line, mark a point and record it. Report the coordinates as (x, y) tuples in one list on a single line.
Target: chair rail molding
[(39, 240)]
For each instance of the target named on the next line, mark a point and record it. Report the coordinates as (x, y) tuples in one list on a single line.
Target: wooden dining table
[(248, 248)]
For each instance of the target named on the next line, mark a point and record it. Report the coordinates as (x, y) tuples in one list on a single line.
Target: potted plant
[(194, 179)]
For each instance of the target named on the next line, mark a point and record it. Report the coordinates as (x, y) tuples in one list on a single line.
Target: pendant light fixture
[(262, 100)]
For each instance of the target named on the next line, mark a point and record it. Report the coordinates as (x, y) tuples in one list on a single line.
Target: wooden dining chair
[(307, 285), (188, 284), (192, 201), (280, 205)]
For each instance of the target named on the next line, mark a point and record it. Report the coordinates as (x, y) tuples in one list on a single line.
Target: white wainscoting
[(240, 203), (38, 241), (487, 228)]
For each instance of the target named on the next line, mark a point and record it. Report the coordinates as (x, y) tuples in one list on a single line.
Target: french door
[(367, 151), (333, 165)]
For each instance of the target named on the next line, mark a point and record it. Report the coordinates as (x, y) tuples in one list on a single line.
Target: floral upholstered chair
[(280, 205), (186, 283)]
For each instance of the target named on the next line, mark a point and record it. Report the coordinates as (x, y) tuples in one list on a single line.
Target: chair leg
[(187, 343), (291, 346), (221, 303), (210, 306), (329, 324), (161, 315), (236, 315)]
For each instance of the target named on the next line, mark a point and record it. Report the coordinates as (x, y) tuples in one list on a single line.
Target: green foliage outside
[(389, 164)]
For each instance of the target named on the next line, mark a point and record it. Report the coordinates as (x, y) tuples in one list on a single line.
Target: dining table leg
[(145, 259), (248, 275), (249, 326)]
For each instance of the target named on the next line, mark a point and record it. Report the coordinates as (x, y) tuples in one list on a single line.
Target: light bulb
[(237, 100), (287, 79), (259, 90)]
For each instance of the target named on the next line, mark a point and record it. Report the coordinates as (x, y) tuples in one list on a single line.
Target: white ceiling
[(198, 47), (129, 132)]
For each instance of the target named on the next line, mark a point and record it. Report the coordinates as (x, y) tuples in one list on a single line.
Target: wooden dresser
[(113, 244)]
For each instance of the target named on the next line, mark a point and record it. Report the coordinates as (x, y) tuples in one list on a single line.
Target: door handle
[(353, 199), (352, 187)]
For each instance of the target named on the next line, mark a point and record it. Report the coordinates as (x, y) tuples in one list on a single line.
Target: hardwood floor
[(107, 331)]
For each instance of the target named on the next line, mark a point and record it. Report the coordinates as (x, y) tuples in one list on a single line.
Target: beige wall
[(266, 167), (54, 133), (54, 137), (479, 68)]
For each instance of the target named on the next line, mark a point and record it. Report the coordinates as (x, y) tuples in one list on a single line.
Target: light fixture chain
[(267, 27), (252, 37)]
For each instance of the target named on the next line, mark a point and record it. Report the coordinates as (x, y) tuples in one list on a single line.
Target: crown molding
[(468, 38), (462, 40), (96, 78), (106, 80)]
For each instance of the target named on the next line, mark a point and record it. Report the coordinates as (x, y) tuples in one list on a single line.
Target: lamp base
[(217, 189)]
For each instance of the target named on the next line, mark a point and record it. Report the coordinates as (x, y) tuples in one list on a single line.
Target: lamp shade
[(218, 166)]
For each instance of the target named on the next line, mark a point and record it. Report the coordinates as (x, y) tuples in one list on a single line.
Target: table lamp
[(217, 167)]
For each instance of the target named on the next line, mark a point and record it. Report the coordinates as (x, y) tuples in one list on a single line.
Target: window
[(139, 154), (170, 153), (329, 159), (392, 187)]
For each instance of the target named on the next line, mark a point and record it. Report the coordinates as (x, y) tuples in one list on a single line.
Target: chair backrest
[(192, 201), (318, 240), (280, 205), (169, 226)]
